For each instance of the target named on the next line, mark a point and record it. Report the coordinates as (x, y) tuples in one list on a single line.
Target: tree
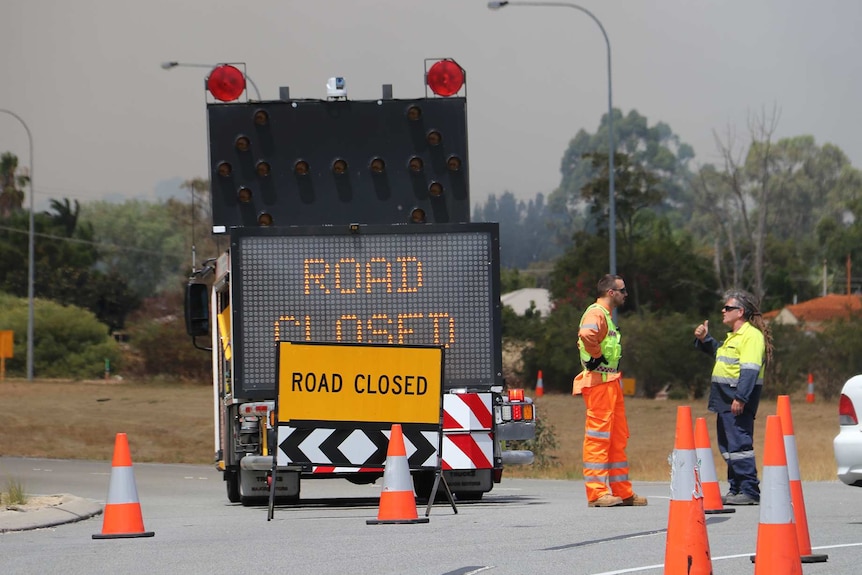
[(762, 207), (525, 233), (142, 242), (11, 195), (656, 148)]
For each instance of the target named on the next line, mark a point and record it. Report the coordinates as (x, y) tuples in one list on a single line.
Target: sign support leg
[(438, 478)]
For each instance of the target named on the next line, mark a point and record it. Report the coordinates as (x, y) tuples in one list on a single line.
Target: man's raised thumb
[(706, 324)]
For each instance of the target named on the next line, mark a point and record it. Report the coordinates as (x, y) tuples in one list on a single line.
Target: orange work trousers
[(606, 434)]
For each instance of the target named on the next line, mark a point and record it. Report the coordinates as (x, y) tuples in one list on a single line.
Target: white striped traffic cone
[(777, 548), (796, 497), (397, 502), (123, 517), (687, 547), (708, 478)]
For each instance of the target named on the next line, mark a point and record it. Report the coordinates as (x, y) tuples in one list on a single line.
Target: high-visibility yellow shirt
[(742, 351), (597, 335)]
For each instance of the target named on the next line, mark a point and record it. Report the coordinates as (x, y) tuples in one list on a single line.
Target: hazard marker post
[(809, 396), (540, 385)]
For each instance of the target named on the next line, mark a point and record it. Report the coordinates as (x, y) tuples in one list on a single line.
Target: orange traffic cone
[(540, 385), (809, 397), (777, 547), (708, 478), (123, 517), (397, 503), (798, 500), (687, 548)]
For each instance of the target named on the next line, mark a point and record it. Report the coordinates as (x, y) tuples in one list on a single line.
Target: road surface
[(522, 527)]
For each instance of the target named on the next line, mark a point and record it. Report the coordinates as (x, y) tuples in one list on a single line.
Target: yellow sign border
[(354, 382)]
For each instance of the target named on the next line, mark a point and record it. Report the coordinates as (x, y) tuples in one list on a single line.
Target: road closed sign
[(359, 383)]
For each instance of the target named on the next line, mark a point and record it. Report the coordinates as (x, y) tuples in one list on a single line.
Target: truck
[(348, 222)]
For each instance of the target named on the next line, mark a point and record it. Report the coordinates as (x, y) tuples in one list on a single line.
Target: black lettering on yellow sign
[(312, 382), (394, 385), (368, 382)]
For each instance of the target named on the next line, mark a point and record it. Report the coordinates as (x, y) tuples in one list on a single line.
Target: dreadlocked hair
[(751, 312)]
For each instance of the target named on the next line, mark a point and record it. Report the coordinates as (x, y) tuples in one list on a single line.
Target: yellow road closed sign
[(359, 382)]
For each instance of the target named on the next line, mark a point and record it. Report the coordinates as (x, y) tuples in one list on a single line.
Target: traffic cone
[(397, 503), (122, 518), (708, 478), (687, 547), (777, 547), (796, 497), (540, 385), (809, 397)]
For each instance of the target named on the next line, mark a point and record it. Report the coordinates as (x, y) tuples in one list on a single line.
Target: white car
[(848, 442)]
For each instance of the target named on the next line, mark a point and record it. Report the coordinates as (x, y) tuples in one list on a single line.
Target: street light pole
[(612, 232), (169, 65), (30, 253)]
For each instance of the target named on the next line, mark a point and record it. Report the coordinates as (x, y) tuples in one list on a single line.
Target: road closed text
[(384, 384), (359, 382)]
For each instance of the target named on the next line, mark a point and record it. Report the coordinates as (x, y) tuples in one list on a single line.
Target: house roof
[(828, 307), (519, 300)]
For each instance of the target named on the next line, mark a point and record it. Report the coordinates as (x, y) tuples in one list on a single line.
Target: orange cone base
[(393, 521), (687, 550), (123, 520), (815, 558), (777, 556), (123, 535), (712, 500), (397, 507), (717, 511)]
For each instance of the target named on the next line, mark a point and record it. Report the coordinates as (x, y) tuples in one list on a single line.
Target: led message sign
[(404, 285)]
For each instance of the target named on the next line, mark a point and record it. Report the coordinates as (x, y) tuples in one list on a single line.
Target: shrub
[(68, 341)]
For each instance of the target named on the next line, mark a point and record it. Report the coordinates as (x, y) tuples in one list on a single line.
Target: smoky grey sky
[(108, 122)]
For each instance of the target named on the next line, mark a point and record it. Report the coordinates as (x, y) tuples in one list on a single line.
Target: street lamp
[(169, 65), (611, 198), (31, 253)]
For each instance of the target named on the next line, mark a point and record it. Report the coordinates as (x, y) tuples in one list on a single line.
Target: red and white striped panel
[(328, 469), (468, 450), (468, 412), (468, 442)]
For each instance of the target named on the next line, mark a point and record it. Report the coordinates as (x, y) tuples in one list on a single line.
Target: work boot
[(606, 500), (635, 501), (741, 499)]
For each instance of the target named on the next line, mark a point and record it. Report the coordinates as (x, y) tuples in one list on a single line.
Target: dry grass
[(172, 423), (165, 422), (652, 425)]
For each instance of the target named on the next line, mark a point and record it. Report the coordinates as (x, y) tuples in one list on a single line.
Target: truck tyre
[(231, 480)]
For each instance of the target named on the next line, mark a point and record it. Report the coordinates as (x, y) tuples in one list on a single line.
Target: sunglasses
[(730, 307), (624, 290)]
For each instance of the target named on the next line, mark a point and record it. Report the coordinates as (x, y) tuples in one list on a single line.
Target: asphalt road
[(522, 527)]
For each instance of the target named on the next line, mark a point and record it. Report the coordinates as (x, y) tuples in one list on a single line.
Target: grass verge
[(170, 422)]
